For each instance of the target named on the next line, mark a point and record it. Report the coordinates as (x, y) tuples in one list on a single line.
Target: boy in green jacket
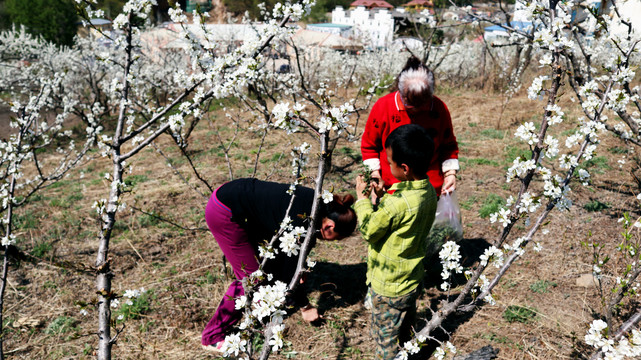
[(396, 233)]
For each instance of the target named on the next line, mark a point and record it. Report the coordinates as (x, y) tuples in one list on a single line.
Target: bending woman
[(244, 212)]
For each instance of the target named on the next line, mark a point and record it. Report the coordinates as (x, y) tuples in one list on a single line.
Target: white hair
[(416, 81)]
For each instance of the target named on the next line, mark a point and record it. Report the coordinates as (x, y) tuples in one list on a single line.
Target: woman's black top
[(259, 208)]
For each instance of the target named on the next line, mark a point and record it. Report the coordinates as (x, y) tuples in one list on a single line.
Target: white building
[(373, 27)]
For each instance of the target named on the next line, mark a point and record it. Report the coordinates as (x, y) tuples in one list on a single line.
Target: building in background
[(371, 4), (419, 6)]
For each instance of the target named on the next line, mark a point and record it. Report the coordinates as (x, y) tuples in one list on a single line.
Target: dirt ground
[(183, 271)]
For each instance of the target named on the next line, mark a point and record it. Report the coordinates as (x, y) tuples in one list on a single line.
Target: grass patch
[(541, 286), (491, 204), (61, 203), (74, 197), (148, 220), (133, 180), (598, 164), (274, 158), (59, 184), (467, 203), (60, 325), (514, 152), (618, 150), (29, 220), (493, 134), (522, 314), (135, 307), (209, 278), (595, 205), (479, 161), (41, 249)]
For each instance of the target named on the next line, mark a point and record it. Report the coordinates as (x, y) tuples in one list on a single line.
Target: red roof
[(372, 4), (419, 3)]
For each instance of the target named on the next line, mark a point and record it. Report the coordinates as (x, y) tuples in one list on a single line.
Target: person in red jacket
[(413, 103)]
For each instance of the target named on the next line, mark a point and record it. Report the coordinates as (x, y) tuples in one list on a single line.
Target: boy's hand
[(362, 188)]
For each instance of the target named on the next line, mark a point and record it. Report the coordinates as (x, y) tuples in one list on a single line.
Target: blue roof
[(518, 25), (98, 22), (330, 25)]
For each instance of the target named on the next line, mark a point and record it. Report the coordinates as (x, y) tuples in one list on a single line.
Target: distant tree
[(54, 20), (322, 8), (111, 7), (5, 23)]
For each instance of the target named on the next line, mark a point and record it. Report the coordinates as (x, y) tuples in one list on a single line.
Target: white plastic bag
[(447, 221)]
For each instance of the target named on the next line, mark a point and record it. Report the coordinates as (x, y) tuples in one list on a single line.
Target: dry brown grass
[(185, 272)]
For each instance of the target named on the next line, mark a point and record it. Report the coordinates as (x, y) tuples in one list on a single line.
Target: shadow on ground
[(470, 250), (339, 285)]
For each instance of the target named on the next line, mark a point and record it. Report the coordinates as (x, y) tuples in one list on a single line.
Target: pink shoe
[(217, 347)]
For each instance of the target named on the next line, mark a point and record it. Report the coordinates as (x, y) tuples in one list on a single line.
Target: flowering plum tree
[(41, 112), (568, 53)]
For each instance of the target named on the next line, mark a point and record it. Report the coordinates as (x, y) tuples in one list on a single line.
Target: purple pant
[(240, 253)]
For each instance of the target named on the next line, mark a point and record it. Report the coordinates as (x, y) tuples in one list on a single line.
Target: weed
[(36, 198), (50, 285), (148, 220), (495, 338), (56, 202), (491, 204), (522, 314), (595, 205), (135, 307), (509, 284), (27, 221), (209, 278), (133, 180), (275, 158), (599, 164), (541, 286), (60, 325), (618, 150), (257, 342), (87, 350), (146, 326), (493, 134), (514, 152), (480, 161), (41, 249), (467, 203), (59, 184), (75, 196)]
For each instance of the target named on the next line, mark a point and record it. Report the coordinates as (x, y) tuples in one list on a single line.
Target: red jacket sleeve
[(372, 142), (448, 149)]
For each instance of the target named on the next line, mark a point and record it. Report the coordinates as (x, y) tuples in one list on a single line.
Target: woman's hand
[(377, 184), (362, 188), (309, 313), (449, 182)]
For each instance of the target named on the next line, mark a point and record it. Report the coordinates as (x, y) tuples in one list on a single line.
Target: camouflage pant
[(392, 321)]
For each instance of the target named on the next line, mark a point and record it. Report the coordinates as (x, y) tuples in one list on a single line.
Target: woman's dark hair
[(411, 145), (340, 211)]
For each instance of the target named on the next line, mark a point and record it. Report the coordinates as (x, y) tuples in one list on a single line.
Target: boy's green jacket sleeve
[(374, 225)]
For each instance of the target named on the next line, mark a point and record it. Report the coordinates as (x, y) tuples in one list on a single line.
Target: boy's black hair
[(411, 145)]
